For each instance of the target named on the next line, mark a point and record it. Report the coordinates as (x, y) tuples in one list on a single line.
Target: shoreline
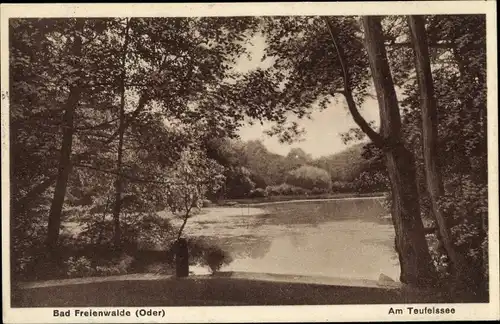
[(311, 200), (257, 276), (295, 198)]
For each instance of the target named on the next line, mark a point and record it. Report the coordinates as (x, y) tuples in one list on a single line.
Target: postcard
[(249, 162)]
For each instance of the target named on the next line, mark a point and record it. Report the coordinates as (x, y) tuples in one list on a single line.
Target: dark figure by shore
[(181, 258)]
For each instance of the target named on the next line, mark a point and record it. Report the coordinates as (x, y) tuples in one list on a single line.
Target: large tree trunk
[(412, 248), (117, 237), (415, 261), (66, 148), (459, 266)]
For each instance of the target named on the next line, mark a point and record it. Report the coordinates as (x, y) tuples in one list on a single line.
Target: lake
[(339, 238)]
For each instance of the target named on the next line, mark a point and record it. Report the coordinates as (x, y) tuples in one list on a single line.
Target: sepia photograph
[(162, 160)]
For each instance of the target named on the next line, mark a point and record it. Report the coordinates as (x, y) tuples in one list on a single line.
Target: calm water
[(347, 238)]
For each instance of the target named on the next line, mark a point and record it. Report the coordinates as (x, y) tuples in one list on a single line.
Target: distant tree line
[(254, 171)]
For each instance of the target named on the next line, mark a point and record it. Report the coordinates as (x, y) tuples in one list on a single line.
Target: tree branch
[(182, 228), (131, 178), (106, 123), (21, 122), (47, 183), (120, 174), (140, 107), (347, 92), (448, 46)]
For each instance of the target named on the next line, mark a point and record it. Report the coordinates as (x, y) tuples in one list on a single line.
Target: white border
[(266, 313)]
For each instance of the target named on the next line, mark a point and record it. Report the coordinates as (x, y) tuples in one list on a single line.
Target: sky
[(322, 131)]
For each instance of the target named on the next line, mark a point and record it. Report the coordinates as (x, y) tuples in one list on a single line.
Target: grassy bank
[(219, 291)]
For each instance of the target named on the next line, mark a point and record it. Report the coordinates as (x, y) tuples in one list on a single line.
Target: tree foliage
[(147, 100), (459, 79), (188, 183)]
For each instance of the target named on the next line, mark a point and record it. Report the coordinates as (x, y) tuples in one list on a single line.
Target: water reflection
[(335, 249), (342, 238), (243, 246)]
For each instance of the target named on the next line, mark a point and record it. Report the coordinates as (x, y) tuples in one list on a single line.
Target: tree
[(240, 179), (181, 74), (461, 153), (297, 157), (67, 139), (410, 238), (460, 91), (238, 182), (346, 165), (64, 90), (433, 176), (121, 132), (189, 182), (373, 176)]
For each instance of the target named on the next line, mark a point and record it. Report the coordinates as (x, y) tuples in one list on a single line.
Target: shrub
[(108, 271), (138, 229), (205, 253), (309, 177), (272, 191), (28, 238), (465, 203), (79, 267), (84, 266), (439, 259), (258, 193), (371, 181), (319, 191), (238, 182), (285, 189), (280, 190), (215, 258), (300, 191), (119, 266), (343, 186)]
